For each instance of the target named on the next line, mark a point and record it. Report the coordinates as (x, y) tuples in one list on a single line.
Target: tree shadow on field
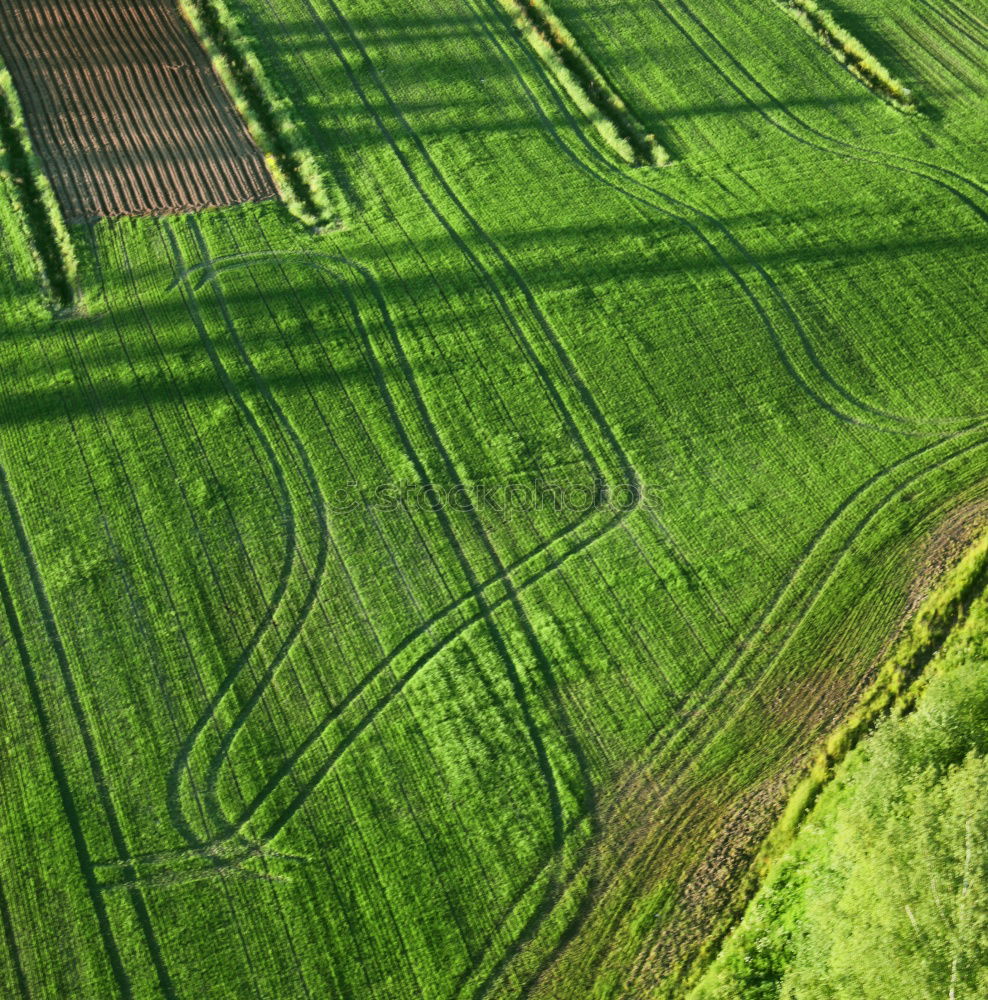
[(444, 72), (67, 395), (180, 365)]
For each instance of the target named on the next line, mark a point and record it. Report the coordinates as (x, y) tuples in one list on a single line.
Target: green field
[(439, 603)]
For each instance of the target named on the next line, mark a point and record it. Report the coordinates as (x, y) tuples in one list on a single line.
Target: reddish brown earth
[(124, 109)]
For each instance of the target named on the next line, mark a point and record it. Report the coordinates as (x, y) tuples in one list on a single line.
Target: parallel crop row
[(577, 75), (36, 200), (850, 52), (291, 165)]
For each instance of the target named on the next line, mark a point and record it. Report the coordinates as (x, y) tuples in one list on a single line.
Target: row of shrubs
[(848, 50), (35, 200), (588, 90), (292, 166)]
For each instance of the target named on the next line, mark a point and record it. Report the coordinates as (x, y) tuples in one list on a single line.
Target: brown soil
[(124, 109), (945, 546)]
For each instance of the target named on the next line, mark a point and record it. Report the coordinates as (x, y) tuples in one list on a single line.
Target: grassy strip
[(899, 682), (850, 52), (292, 167), (35, 201), (588, 90)]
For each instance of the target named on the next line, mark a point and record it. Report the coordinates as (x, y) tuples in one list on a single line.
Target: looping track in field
[(241, 838), (576, 408), (245, 664), (125, 110), (775, 312)]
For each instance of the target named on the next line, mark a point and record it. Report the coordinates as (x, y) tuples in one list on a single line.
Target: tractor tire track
[(478, 588), (318, 572), (69, 808), (942, 177), (92, 759), (702, 723), (146, 533), (591, 161), (182, 766), (221, 753)]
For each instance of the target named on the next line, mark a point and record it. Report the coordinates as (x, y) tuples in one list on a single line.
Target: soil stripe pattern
[(125, 111)]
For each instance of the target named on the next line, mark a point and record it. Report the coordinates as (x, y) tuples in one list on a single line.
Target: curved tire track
[(183, 766), (594, 163)]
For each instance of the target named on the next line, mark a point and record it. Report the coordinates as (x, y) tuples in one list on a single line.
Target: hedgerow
[(588, 90), (881, 894), (900, 681), (35, 200), (820, 23), (266, 112)]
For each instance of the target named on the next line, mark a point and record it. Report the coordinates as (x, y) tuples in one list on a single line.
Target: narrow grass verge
[(35, 200), (588, 90), (899, 682), (846, 49), (293, 168)]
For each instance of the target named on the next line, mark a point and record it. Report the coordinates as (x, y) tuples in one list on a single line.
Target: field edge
[(899, 683)]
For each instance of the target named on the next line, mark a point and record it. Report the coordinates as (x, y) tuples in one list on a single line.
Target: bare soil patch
[(125, 111)]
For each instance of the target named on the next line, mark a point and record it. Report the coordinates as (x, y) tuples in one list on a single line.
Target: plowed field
[(125, 110)]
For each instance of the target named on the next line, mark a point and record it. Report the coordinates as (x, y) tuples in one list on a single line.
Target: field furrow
[(126, 113)]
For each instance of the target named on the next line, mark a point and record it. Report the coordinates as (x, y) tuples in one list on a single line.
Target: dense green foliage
[(848, 49), (899, 681), (438, 605), (884, 894), (266, 111), (31, 195)]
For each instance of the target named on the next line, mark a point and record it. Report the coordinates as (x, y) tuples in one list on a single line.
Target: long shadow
[(39, 404), (874, 40)]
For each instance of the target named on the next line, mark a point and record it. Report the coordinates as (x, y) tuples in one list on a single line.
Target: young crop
[(588, 90), (266, 113), (35, 200), (850, 52), (441, 605)]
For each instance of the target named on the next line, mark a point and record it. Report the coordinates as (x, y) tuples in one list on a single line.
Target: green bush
[(36, 201), (848, 50), (883, 894), (266, 113), (588, 90)]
